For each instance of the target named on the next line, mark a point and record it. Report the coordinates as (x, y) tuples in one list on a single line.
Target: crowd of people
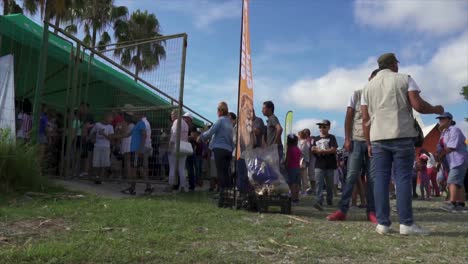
[(377, 162)]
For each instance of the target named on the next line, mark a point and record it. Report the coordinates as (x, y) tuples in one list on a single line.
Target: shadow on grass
[(450, 234)]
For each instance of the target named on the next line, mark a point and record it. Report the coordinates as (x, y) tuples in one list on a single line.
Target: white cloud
[(330, 91), (433, 17), (440, 79), (311, 123), (293, 46), (203, 12)]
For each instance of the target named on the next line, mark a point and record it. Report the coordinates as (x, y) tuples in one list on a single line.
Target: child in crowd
[(304, 146), (293, 158), (423, 178), (26, 122), (102, 132)]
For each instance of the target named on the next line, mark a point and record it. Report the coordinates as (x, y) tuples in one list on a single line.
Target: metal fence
[(76, 86)]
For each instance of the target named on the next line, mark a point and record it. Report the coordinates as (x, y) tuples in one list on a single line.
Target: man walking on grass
[(355, 144), (389, 129)]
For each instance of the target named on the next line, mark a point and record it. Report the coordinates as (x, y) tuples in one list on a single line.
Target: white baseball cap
[(189, 115)]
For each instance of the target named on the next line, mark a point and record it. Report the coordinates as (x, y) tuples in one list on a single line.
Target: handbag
[(186, 148), (419, 139)]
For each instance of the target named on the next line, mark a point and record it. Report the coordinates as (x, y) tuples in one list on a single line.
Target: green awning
[(108, 87)]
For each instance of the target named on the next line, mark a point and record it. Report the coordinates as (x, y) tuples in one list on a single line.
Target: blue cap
[(445, 115)]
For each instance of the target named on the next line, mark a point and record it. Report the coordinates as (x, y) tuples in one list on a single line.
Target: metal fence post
[(70, 131), (41, 70), (181, 104)]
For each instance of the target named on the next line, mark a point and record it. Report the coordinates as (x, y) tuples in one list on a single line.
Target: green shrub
[(20, 169)]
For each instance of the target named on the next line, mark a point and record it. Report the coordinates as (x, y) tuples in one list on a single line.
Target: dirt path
[(106, 189)]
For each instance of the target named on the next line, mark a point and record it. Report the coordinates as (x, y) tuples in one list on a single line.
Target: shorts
[(213, 172), (294, 176), (42, 139), (440, 177), (138, 161), (457, 175), (101, 157), (78, 142)]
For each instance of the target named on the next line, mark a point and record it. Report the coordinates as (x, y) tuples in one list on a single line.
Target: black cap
[(324, 122)]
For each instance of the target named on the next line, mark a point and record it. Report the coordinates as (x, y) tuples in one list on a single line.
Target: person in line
[(88, 145), (190, 160), (451, 149), (312, 159), (24, 132), (423, 178), (358, 160), (274, 129), (103, 133), (137, 152), (174, 168), (389, 129), (127, 127), (293, 159), (304, 146), (431, 172), (147, 153), (324, 149), (222, 145)]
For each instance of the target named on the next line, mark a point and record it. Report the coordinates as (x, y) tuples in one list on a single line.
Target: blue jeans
[(327, 177), (398, 153), (242, 177), (198, 168), (357, 161), (190, 166)]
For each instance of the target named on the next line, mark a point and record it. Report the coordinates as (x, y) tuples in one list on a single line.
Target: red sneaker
[(371, 217), (337, 216)]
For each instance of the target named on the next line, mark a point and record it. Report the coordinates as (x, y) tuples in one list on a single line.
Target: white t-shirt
[(148, 133), (412, 87), (351, 102), (125, 144), (431, 163), (99, 129), (183, 134)]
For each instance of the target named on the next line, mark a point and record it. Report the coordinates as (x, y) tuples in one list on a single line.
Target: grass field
[(65, 227)]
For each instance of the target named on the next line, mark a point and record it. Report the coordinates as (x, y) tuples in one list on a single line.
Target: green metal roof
[(23, 38)]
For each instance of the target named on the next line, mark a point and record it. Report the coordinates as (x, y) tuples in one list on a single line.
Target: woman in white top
[(182, 181)]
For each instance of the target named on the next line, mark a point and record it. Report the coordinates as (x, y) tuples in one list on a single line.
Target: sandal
[(130, 191), (149, 190)]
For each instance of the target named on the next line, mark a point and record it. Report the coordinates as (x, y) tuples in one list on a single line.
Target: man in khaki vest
[(355, 144), (388, 124)]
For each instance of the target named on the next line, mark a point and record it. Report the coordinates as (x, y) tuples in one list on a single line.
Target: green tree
[(11, 7), (97, 16), (60, 10), (464, 92), (144, 57)]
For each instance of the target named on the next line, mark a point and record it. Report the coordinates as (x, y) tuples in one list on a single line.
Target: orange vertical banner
[(245, 137)]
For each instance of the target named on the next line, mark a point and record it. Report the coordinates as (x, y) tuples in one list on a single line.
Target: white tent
[(7, 95)]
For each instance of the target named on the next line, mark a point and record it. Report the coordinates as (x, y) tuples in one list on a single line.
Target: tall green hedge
[(20, 169)]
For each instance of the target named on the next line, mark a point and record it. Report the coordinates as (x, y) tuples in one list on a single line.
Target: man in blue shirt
[(137, 148)]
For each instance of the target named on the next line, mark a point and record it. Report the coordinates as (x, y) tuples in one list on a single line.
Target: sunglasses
[(323, 126)]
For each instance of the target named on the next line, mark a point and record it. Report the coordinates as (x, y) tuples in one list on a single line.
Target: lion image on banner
[(246, 135)]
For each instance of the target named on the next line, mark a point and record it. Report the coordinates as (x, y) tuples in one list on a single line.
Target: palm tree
[(97, 16), (63, 11), (144, 57), (11, 7)]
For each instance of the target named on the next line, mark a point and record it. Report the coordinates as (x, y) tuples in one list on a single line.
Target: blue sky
[(308, 56)]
